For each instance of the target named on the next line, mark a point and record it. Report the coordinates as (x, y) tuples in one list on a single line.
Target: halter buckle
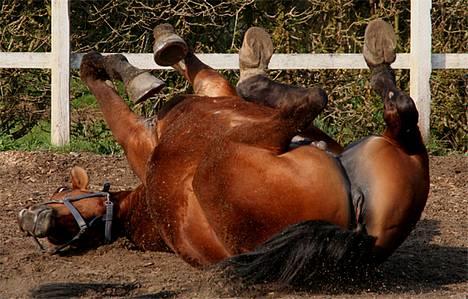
[(108, 218)]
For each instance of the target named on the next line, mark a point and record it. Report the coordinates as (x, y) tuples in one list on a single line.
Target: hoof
[(36, 221), (139, 84), (143, 86), (379, 43), (169, 48), (256, 50)]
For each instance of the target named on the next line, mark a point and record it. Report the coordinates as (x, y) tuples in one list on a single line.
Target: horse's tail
[(301, 253)]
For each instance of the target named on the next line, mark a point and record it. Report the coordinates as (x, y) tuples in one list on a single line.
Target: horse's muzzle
[(37, 220)]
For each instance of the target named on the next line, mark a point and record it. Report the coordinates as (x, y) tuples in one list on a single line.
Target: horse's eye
[(60, 189)]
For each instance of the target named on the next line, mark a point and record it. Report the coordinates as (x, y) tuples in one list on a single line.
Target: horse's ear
[(79, 178)]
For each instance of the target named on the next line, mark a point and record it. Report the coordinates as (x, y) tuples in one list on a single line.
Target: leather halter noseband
[(67, 201)]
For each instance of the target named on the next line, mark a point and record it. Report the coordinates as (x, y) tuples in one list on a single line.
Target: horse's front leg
[(171, 50), (135, 134)]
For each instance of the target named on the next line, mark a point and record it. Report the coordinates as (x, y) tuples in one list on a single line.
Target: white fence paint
[(28, 60), (296, 61), (420, 62), (60, 77)]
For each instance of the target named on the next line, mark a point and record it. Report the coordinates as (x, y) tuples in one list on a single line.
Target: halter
[(67, 201)]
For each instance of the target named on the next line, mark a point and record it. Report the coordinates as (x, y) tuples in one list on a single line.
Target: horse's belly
[(252, 194)]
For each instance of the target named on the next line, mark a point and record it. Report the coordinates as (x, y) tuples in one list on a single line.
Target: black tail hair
[(302, 253)]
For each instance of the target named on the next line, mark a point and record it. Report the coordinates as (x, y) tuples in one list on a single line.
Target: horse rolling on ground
[(221, 185)]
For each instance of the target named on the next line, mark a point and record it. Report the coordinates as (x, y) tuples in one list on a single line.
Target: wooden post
[(420, 62), (60, 67)]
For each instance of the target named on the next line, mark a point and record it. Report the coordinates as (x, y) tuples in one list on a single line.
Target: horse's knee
[(209, 82)]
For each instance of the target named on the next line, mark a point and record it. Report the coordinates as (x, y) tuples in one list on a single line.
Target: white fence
[(420, 62)]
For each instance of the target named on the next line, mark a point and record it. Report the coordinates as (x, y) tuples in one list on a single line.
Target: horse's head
[(72, 216)]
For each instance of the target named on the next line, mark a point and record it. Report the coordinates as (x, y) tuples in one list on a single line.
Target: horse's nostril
[(36, 221), (21, 217)]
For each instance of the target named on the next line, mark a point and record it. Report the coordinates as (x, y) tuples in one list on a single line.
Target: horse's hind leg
[(400, 113), (170, 49), (299, 104), (135, 134)]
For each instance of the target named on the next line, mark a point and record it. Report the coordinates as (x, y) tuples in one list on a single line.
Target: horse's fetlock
[(320, 98), (116, 57), (92, 67)]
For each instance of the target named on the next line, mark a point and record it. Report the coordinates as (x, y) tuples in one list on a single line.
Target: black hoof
[(139, 84), (143, 86)]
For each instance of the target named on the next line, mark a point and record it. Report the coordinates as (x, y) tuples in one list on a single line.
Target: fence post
[(60, 67), (420, 62)]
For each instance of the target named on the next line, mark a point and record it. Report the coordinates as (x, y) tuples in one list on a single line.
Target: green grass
[(98, 139), (86, 100), (39, 139), (438, 147), (94, 136)]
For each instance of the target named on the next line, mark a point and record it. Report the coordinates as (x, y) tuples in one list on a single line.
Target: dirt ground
[(433, 262)]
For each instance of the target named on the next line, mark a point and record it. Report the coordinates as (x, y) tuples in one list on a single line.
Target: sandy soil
[(433, 262)]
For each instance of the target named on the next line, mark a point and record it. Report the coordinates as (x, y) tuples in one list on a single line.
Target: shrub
[(217, 27)]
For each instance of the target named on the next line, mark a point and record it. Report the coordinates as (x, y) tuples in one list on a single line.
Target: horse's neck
[(126, 204), (133, 220)]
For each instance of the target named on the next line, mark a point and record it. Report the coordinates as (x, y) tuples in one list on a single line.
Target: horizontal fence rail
[(25, 60), (420, 62)]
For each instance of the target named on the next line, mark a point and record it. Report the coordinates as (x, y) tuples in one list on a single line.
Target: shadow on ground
[(419, 266)]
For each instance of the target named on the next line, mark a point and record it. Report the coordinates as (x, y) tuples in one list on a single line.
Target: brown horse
[(220, 182)]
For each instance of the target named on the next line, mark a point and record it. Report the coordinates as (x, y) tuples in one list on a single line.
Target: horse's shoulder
[(176, 101)]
